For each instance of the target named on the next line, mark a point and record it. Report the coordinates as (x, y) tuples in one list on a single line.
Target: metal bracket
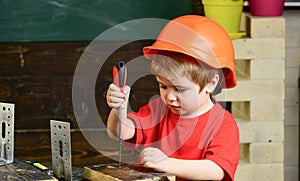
[(7, 111), (61, 149)]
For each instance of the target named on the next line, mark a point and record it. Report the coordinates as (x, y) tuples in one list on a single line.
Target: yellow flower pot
[(227, 13)]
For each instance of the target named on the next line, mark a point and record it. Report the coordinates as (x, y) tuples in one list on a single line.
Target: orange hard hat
[(201, 38)]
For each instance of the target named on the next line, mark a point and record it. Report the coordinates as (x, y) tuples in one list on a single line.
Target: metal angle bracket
[(61, 149), (7, 111)]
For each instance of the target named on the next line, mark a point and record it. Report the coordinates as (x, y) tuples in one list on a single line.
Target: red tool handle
[(120, 74)]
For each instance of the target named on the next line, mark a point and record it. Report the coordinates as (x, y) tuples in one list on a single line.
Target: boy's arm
[(194, 169), (187, 169), (119, 100)]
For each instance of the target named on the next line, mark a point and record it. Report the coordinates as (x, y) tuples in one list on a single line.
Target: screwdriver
[(38, 165), (119, 78)]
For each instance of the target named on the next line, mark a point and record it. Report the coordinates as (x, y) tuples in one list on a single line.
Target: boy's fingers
[(114, 87), (146, 155), (149, 164), (114, 99), (115, 105), (126, 89)]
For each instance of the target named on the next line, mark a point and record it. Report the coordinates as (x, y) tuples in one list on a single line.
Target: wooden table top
[(20, 170)]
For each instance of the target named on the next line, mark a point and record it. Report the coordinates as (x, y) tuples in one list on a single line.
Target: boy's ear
[(211, 86)]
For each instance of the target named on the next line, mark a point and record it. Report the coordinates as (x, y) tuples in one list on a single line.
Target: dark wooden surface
[(37, 77), (19, 170)]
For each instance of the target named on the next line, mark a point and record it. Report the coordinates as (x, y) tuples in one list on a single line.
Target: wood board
[(127, 172)]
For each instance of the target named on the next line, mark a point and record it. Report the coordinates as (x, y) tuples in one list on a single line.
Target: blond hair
[(172, 64)]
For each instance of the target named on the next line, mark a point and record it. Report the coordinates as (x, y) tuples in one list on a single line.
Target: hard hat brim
[(229, 74)]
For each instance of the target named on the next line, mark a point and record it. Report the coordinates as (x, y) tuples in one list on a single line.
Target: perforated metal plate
[(7, 111), (61, 149)]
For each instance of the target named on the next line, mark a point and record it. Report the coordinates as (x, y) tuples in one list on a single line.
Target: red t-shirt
[(213, 135)]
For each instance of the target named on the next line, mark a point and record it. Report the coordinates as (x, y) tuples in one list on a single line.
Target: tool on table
[(38, 165), (119, 77)]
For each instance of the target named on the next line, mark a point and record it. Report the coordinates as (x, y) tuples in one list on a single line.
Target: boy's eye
[(162, 86), (180, 90)]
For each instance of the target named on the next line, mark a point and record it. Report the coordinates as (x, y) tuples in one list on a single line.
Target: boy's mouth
[(174, 107)]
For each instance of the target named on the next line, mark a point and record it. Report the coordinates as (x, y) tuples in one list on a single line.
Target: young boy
[(184, 131)]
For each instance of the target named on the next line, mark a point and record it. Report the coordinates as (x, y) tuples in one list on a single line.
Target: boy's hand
[(116, 98), (153, 158)]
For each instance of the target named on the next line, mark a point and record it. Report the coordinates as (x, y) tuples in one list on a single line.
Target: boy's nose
[(171, 95)]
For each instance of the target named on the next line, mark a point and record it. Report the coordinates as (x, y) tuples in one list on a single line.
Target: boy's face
[(183, 96)]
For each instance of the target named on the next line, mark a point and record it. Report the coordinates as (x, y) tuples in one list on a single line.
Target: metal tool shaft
[(120, 137)]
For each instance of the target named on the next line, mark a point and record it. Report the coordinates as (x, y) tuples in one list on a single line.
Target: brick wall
[(291, 116), (258, 98)]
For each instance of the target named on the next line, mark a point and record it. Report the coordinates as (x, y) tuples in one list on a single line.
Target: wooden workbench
[(19, 170)]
